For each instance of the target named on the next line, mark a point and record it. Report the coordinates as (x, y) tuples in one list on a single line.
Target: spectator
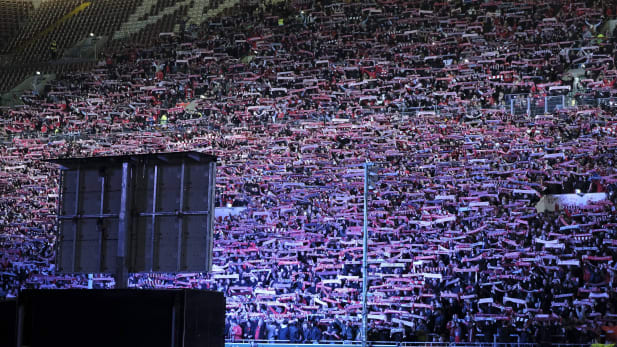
[(236, 331), (284, 332), (460, 221)]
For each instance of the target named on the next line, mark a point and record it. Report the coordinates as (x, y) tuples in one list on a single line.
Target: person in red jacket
[(236, 331)]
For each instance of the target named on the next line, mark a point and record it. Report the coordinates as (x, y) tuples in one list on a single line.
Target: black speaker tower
[(128, 214), (121, 317)]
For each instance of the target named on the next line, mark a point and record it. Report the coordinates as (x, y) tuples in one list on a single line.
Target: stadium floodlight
[(93, 38)]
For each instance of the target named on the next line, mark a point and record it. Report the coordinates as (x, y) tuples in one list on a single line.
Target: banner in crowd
[(557, 201)]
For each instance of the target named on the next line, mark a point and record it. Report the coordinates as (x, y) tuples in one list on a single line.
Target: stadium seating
[(12, 13)]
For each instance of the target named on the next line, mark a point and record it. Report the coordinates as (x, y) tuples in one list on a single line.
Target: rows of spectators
[(293, 103)]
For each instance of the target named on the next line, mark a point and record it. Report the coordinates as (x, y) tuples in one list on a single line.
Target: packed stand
[(293, 103)]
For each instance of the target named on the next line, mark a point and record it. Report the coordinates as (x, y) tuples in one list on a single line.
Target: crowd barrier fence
[(535, 105), (258, 343)]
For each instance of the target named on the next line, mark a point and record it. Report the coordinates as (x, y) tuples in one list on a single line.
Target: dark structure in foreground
[(121, 214), (136, 213), (122, 317)]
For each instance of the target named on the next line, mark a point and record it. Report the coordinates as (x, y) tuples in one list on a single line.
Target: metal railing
[(275, 343), (515, 104), (521, 104), (524, 104), (596, 102)]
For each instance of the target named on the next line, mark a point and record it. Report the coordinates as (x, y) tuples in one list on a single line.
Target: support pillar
[(124, 224)]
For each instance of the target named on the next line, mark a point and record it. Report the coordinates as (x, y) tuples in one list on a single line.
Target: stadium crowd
[(293, 103)]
